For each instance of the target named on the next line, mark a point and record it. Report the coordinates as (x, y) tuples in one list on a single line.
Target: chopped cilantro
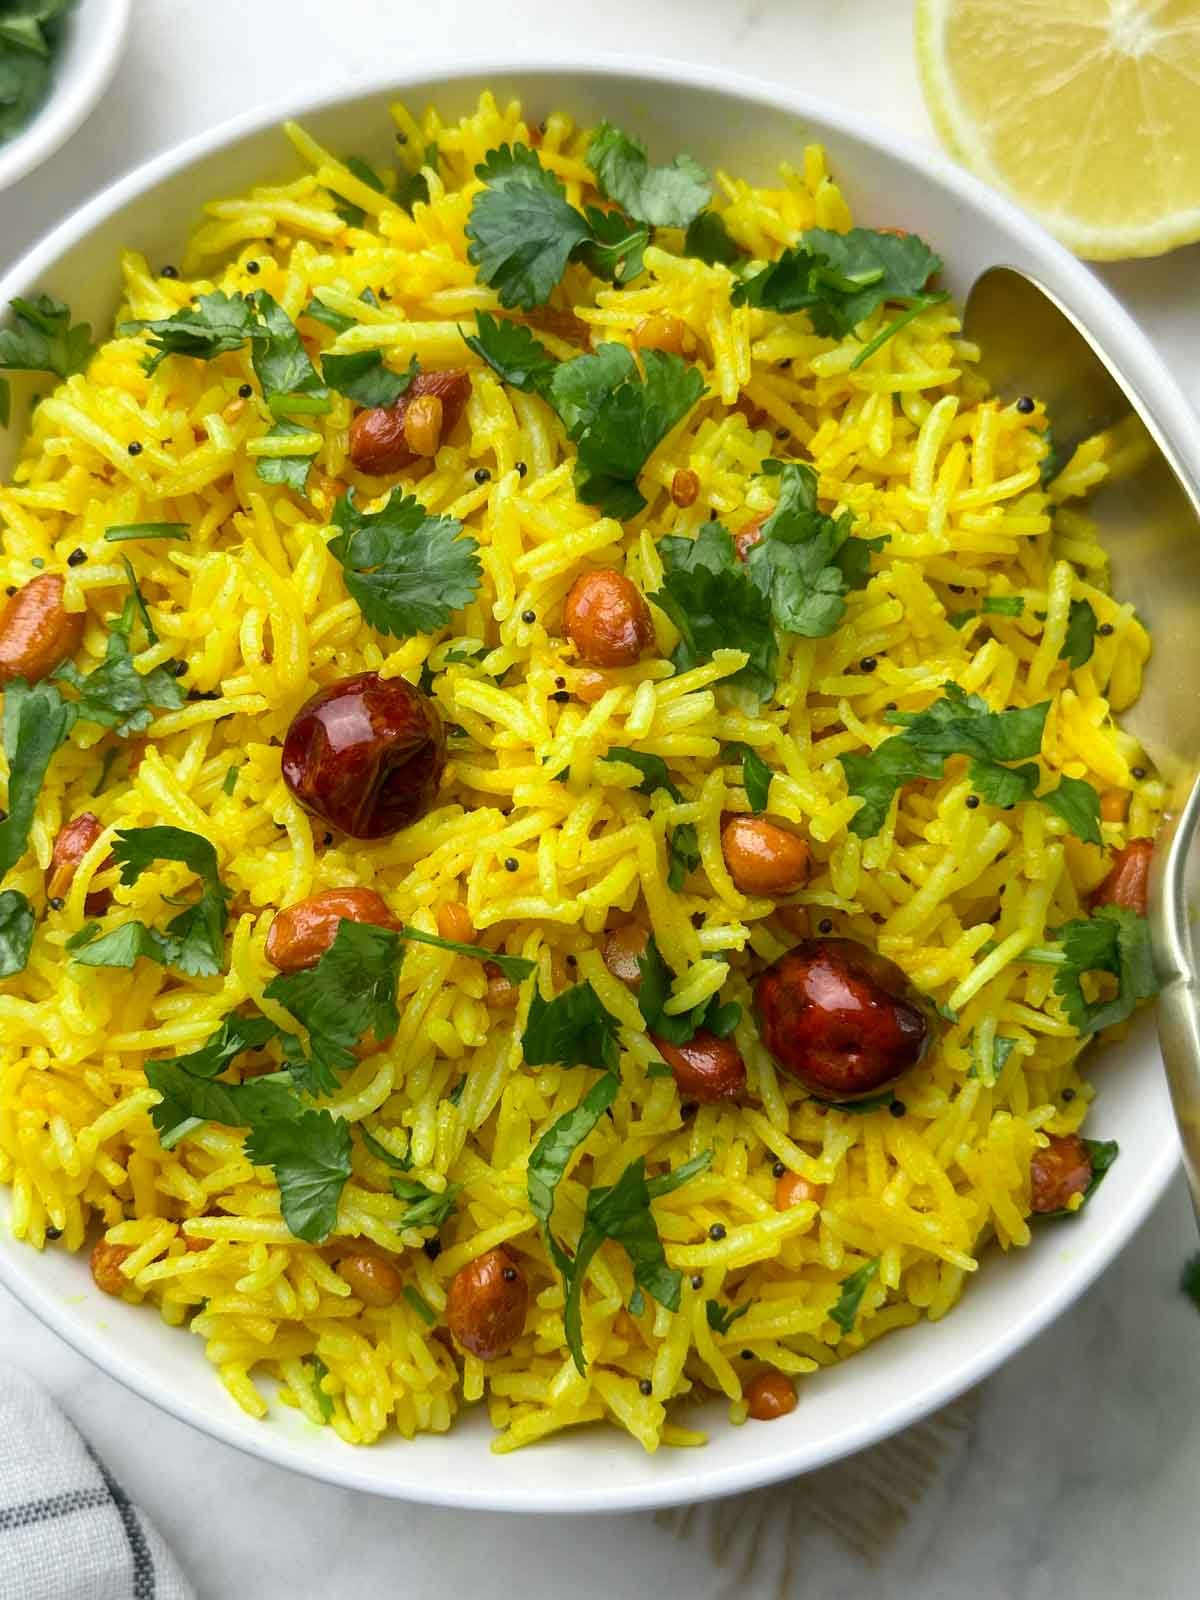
[(654, 771), (989, 1068), (714, 604), (655, 990), (289, 471), (853, 1288), (512, 352), (324, 1401), (756, 774), (514, 968), (115, 694), (415, 187), (1053, 461), (16, 932), (229, 781), (426, 1208), (1078, 804), (381, 1152), (407, 570), (1080, 638), (552, 1155), (42, 338), (354, 216), (1111, 940), (572, 1030), (420, 1305), (708, 239), (36, 721), (683, 854), (194, 940), (188, 1099), (621, 1212), (310, 1154), (721, 1318), (146, 530), (1003, 786), (364, 377), (215, 324), (670, 197), (521, 227), (1003, 605), (616, 246), (290, 382), (351, 990), (235, 1035)]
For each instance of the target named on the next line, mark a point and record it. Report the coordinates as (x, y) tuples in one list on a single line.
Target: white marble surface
[(1072, 1472)]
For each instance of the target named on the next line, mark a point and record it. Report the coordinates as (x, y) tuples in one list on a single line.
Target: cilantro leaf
[(36, 722), (146, 530), (512, 352), (1078, 804), (364, 377), (521, 227), (42, 339), (627, 425), (756, 774), (350, 990), (721, 1318), (1080, 638), (654, 991), (290, 471), (670, 197), (426, 1208), (235, 1035), (795, 562), (514, 968), (24, 73), (578, 387), (406, 569), (1003, 605), (310, 1154), (381, 1152), (420, 1305), (654, 770), (708, 239), (415, 187), (1111, 940), (324, 1401), (354, 216), (281, 363), (115, 694), (964, 724), (218, 322), (839, 279), (714, 604), (876, 778), (616, 246), (193, 941), (189, 1099), (16, 932), (552, 1155), (988, 1069), (1002, 786), (622, 1213), (853, 1288), (1054, 460), (572, 1030), (683, 854)]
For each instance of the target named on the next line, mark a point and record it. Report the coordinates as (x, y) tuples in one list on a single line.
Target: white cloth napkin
[(67, 1530)]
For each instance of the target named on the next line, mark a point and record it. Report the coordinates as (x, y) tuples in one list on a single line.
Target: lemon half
[(1086, 112)]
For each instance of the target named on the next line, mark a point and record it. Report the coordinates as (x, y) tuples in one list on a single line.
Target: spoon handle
[(1179, 996)]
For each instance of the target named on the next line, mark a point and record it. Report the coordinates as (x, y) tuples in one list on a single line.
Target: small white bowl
[(93, 36), (748, 127)]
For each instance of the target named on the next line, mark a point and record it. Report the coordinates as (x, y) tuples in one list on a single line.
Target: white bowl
[(746, 126), (93, 36)]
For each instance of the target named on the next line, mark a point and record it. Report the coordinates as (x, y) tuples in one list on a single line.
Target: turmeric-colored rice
[(257, 608)]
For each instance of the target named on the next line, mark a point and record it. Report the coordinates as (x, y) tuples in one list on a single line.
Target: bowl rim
[(73, 96), (1171, 412)]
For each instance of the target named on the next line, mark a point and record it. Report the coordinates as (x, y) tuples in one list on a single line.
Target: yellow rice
[(256, 606)]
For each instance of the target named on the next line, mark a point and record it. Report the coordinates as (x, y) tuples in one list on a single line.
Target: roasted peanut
[(706, 1068), (374, 1280), (606, 619), (1114, 803), (301, 933), (378, 445), (1128, 881), (770, 1395), (423, 425), (793, 1190), (501, 994), (685, 486), (485, 1309), (662, 330), (75, 839), (37, 633), (1056, 1173), (762, 858), (622, 948), (589, 686), (454, 922), (106, 1266)]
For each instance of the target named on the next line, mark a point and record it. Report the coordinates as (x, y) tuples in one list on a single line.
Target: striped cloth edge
[(68, 1531)]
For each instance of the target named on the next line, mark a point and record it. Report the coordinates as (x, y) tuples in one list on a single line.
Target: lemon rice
[(539, 838)]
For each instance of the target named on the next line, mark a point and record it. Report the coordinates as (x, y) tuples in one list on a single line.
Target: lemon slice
[(1086, 112)]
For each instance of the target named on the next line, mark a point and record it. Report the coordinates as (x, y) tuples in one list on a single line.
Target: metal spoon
[(1149, 516)]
